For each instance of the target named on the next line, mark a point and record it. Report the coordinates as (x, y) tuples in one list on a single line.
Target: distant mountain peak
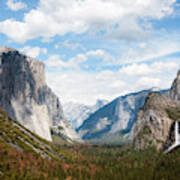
[(156, 120), (101, 102), (153, 89), (76, 113), (114, 122)]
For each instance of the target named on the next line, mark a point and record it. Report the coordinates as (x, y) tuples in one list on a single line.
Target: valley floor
[(89, 162)]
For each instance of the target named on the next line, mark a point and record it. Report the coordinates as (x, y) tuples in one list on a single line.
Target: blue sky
[(96, 49)]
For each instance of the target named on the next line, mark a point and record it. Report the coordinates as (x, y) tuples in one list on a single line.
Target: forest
[(92, 162)]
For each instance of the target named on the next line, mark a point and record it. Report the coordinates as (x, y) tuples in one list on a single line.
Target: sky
[(96, 49)]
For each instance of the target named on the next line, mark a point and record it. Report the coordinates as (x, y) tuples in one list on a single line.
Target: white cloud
[(152, 49), (44, 50), (148, 82), (72, 46), (145, 69), (54, 61), (128, 20), (15, 6), (99, 53), (155, 48), (83, 87), (119, 18), (105, 59), (56, 46), (34, 52)]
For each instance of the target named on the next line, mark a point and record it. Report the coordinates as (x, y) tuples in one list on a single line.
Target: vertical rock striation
[(175, 88), (114, 122), (154, 125), (25, 95), (156, 119)]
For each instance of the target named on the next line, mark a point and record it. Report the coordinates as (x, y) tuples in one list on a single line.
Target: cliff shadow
[(16, 82)]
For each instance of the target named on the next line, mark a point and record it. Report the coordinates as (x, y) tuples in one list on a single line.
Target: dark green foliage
[(19, 161), (145, 131), (173, 113), (83, 162), (18, 165), (60, 128)]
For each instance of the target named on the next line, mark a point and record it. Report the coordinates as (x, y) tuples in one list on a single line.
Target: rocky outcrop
[(154, 126), (25, 95), (174, 92), (114, 122), (19, 138), (156, 119)]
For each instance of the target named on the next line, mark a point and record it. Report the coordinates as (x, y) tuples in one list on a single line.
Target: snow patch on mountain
[(115, 121), (77, 113)]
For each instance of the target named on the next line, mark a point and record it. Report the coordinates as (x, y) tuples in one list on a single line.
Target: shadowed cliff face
[(25, 95), (155, 125), (21, 79), (114, 122), (175, 89)]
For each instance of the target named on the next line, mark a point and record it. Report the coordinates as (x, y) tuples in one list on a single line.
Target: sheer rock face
[(175, 89), (154, 126), (25, 95), (114, 122)]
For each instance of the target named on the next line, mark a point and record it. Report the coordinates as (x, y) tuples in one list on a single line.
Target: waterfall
[(177, 139)]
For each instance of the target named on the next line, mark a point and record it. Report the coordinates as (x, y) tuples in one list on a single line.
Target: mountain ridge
[(155, 125), (116, 119), (76, 113)]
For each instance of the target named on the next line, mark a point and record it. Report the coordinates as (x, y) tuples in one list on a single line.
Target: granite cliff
[(156, 119), (25, 96), (175, 88), (78, 113), (154, 126), (114, 122)]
